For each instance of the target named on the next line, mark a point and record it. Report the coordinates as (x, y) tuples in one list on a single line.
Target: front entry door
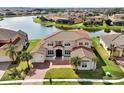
[(58, 53)]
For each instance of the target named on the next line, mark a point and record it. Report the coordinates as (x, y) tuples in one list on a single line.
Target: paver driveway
[(39, 69), (37, 72), (3, 67)]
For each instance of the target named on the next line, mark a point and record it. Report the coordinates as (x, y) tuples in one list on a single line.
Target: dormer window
[(80, 43)]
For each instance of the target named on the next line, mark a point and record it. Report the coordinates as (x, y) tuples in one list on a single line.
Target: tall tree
[(75, 61), (112, 48), (11, 51), (26, 56), (16, 74)]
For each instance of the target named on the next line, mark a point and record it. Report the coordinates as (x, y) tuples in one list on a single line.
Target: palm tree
[(112, 48), (15, 73), (75, 61), (11, 51), (25, 56)]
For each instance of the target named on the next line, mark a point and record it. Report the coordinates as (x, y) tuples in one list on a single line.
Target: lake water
[(35, 30)]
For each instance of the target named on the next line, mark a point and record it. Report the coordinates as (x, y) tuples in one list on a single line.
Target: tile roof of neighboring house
[(117, 39), (39, 49), (70, 35), (20, 43), (118, 20), (5, 59), (7, 35), (82, 52), (107, 39)]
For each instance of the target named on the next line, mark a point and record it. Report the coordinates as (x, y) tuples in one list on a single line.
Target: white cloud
[(61, 3)]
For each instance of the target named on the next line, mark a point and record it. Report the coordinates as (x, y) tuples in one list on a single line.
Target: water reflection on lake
[(35, 30)]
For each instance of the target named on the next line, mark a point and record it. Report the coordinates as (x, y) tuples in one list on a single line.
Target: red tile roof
[(78, 31), (88, 52)]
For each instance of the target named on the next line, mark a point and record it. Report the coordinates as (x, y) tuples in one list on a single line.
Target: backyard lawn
[(33, 44), (20, 66)]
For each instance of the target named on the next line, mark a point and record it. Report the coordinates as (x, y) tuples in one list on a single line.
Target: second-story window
[(67, 44), (86, 43), (50, 44), (80, 43)]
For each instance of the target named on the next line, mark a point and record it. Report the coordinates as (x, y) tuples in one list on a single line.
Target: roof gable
[(6, 34), (82, 52)]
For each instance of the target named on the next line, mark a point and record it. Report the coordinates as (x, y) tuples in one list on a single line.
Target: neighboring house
[(118, 22), (66, 44), (114, 39), (9, 36), (65, 21), (46, 19), (98, 20)]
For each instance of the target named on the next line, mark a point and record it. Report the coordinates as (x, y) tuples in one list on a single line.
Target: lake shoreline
[(80, 26), (36, 30)]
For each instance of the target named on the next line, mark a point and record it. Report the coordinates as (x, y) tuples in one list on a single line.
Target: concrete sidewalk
[(39, 81)]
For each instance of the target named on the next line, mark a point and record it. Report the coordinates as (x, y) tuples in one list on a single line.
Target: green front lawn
[(70, 73), (20, 66), (61, 73)]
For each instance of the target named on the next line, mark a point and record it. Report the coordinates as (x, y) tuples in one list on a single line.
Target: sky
[(62, 3)]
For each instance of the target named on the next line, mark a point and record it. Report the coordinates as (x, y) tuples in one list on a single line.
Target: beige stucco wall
[(84, 40), (38, 58), (90, 65), (118, 52)]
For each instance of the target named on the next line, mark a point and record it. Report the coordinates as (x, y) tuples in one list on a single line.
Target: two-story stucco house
[(64, 45), (117, 40)]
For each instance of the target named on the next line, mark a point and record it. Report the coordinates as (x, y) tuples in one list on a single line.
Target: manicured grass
[(33, 44), (80, 25), (68, 73), (109, 66), (61, 73), (21, 67)]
